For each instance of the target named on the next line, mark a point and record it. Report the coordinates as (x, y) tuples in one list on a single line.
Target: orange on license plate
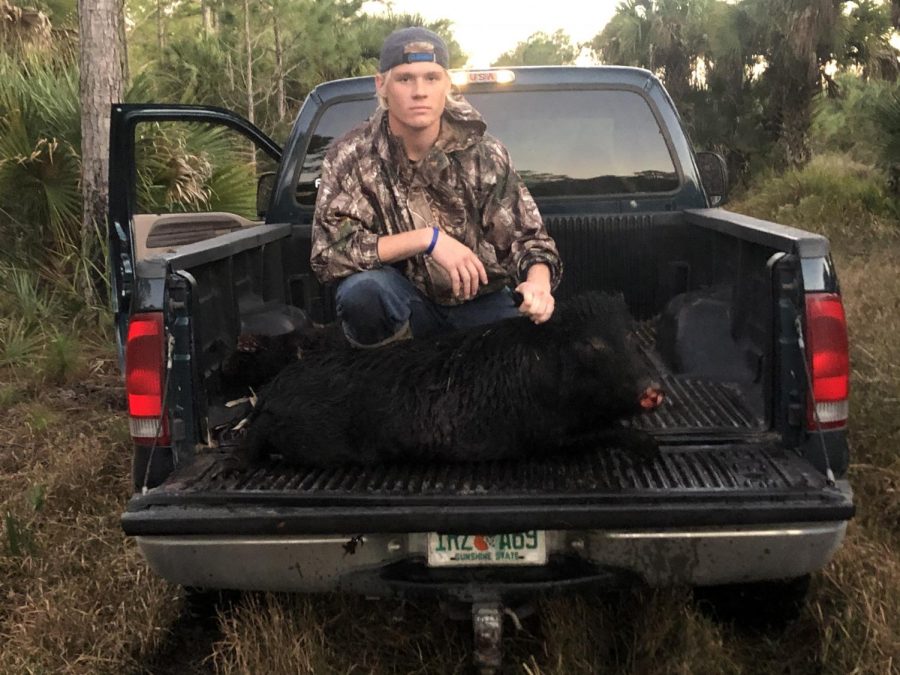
[(459, 550)]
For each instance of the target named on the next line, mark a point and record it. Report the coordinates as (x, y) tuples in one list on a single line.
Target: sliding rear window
[(562, 143)]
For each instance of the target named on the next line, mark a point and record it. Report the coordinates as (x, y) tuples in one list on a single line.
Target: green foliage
[(746, 75), (852, 122), (317, 40), (9, 396), (61, 361), (182, 74), (26, 296), (664, 36), (833, 195), (20, 344), (541, 49), (62, 13), (37, 496), (864, 37), (19, 536), (887, 120), (19, 540), (193, 167), (40, 418), (40, 133)]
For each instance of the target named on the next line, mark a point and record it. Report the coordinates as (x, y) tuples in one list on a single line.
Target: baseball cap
[(413, 45)]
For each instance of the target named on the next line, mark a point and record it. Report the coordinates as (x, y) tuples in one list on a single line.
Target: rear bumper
[(588, 512), (387, 565)]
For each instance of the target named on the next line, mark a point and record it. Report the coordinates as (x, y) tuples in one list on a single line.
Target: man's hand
[(537, 299), (461, 263)]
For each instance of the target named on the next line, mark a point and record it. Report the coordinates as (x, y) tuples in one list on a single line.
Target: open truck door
[(179, 174)]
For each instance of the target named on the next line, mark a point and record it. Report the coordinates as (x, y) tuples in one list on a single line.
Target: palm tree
[(799, 37), (865, 34), (665, 36)]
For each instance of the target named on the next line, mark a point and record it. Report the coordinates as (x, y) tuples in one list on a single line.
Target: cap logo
[(418, 47)]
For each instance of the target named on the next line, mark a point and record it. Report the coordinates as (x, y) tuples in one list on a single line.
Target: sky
[(487, 28)]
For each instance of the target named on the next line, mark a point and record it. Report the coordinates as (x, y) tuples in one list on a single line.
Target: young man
[(420, 215)]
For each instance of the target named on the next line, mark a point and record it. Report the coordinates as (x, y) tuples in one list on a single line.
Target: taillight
[(828, 350), (145, 377)]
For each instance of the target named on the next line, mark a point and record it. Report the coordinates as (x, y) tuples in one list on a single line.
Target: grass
[(75, 596)]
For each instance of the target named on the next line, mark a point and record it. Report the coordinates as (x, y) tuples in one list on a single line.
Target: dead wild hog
[(258, 358), (510, 389)]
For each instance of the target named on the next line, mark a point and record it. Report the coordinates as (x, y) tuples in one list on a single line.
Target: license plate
[(460, 550)]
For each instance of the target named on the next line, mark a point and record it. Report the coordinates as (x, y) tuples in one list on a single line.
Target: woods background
[(802, 97)]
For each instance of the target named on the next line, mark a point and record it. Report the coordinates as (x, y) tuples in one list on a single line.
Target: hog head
[(607, 377)]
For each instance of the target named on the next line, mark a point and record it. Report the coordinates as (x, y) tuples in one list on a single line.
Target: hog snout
[(651, 397)]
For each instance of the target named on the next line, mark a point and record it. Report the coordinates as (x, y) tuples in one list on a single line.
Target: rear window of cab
[(563, 143)]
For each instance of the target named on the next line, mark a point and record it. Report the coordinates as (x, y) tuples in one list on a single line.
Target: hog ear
[(590, 347)]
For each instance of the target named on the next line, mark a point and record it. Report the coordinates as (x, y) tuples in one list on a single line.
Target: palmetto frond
[(193, 167), (39, 160)]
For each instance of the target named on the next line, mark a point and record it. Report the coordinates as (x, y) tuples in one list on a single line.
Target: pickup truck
[(741, 318)]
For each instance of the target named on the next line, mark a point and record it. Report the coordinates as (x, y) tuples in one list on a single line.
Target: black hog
[(258, 358), (510, 389)]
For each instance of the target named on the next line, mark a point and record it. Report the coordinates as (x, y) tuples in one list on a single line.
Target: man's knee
[(373, 306), (367, 292)]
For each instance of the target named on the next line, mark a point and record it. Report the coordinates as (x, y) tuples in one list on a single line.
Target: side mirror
[(714, 174), (265, 184)]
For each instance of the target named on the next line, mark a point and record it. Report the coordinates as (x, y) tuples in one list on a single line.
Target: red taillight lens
[(826, 339), (144, 378)]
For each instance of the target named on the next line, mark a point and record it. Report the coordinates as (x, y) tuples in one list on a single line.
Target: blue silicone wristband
[(434, 238)]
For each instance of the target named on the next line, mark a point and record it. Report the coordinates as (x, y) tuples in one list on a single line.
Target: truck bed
[(718, 465)]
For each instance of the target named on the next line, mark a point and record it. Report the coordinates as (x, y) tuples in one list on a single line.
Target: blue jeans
[(379, 306)]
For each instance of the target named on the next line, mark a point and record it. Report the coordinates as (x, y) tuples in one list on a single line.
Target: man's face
[(415, 93)]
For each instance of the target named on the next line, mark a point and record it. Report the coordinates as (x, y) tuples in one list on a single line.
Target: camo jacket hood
[(465, 185)]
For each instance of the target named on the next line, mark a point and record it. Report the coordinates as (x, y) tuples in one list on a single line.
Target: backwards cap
[(413, 45)]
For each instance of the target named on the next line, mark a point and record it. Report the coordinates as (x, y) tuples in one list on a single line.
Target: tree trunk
[(207, 13), (281, 99), (160, 31), (123, 54), (229, 71), (798, 31), (101, 58), (248, 48)]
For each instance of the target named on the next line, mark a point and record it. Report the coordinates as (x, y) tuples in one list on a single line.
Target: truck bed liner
[(738, 484), (699, 422), (745, 468)]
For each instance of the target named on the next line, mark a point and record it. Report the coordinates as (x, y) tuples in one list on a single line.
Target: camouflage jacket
[(465, 185)]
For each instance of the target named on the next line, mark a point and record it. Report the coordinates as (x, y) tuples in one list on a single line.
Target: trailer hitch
[(487, 625)]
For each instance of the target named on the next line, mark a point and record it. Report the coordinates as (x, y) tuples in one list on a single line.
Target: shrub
[(833, 195)]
